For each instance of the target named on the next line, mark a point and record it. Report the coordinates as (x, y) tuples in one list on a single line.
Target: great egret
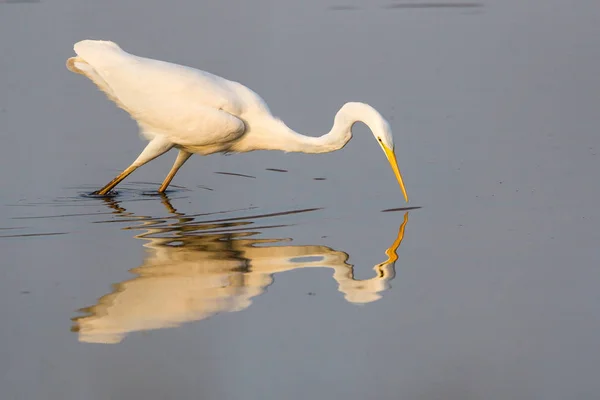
[(197, 112)]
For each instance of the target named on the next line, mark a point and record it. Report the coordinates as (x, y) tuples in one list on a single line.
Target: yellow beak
[(391, 156)]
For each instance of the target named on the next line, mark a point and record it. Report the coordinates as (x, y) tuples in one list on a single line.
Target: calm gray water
[(283, 286)]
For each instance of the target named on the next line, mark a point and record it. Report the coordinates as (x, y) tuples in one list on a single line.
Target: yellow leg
[(110, 185), (155, 148), (182, 157)]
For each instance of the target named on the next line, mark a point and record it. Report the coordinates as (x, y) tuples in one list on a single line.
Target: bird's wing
[(190, 106), (189, 124)]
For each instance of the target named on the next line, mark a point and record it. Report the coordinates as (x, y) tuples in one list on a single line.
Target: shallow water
[(272, 275)]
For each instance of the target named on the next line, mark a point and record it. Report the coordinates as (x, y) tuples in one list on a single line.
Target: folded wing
[(191, 107)]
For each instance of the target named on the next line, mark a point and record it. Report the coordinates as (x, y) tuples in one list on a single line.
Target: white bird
[(197, 112)]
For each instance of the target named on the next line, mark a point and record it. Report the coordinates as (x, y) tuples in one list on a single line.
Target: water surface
[(272, 275)]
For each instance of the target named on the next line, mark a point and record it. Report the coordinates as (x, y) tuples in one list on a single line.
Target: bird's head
[(386, 141), (352, 112)]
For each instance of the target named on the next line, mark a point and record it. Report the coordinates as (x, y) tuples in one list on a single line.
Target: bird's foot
[(97, 193)]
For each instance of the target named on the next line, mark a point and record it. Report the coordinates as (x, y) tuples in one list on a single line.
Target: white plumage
[(197, 112)]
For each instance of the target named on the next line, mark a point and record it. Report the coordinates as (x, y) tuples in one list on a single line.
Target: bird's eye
[(379, 139)]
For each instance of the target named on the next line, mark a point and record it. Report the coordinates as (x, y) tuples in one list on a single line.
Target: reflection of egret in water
[(195, 269)]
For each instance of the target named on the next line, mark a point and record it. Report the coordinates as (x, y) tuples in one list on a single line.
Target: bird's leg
[(155, 148), (182, 157), (108, 187)]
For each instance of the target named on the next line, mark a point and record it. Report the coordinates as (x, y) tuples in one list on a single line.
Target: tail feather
[(92, 55), (91, 48), (100, 54)]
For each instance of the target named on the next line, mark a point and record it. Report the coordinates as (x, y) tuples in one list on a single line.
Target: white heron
[(197, 112)]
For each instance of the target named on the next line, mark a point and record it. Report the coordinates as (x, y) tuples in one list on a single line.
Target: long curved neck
[(273, 134)]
